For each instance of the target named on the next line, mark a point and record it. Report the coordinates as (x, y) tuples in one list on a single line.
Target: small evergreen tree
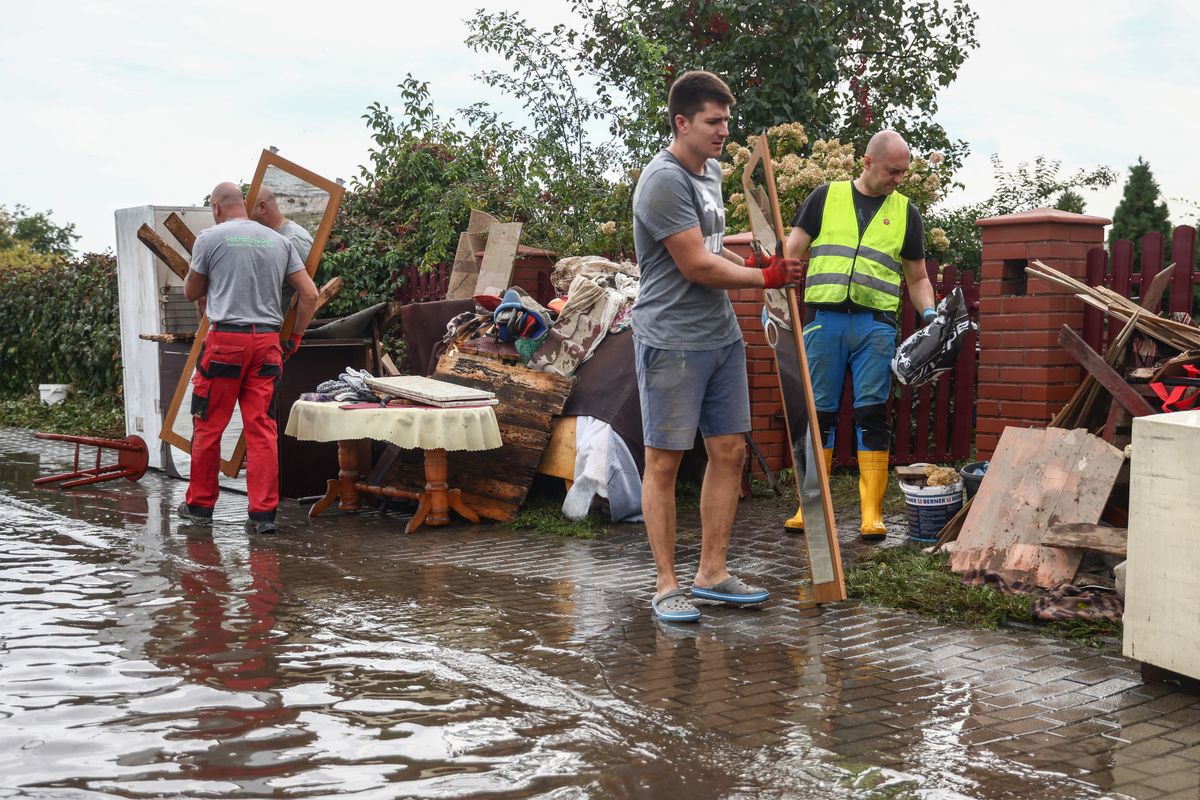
[(1070, 201), (1140, 211)]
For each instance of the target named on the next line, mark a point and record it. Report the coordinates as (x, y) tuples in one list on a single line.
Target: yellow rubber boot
[(872, 483), (796, 523)]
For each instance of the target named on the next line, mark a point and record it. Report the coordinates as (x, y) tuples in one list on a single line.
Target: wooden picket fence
[(1115, 269)]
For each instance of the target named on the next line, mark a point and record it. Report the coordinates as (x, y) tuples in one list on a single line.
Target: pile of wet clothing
[(598, 300), (349, 387)]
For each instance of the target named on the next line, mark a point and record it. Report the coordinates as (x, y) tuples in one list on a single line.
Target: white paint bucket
[(53, 393)]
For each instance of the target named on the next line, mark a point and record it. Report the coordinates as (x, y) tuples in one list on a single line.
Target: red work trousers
[(242, 368)]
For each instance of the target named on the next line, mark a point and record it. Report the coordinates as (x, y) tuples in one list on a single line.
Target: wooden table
[(433, 430)]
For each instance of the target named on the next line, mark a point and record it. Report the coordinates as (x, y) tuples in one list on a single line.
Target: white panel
[(1162, 594)]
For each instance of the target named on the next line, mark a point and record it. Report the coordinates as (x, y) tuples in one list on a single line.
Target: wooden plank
[(824, 552), (1096, 366), (495, 273), (465, 272), (179, 229), (1037, 478), (1088, 536), (167, 338), (558, 459), (167, 254)]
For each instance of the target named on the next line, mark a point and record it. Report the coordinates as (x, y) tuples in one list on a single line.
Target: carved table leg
[(342, 488)]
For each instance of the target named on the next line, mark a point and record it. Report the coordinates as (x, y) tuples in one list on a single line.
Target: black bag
[(933, 349)]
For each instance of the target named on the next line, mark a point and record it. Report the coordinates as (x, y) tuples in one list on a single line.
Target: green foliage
[(36, 232), (1070, 201), (848, 69), (1140, 211), (81, 415), (60, 324), (1026, 187)]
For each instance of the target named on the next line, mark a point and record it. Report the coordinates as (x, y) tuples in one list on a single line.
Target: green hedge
[(60, 324)]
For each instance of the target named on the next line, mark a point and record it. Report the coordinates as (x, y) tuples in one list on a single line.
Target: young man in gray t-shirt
[(689, 354)]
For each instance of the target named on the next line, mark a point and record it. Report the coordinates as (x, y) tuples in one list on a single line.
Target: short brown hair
[(692, 90)]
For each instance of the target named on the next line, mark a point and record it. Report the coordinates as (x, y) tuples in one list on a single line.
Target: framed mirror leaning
[(782, 323), (306, 200)]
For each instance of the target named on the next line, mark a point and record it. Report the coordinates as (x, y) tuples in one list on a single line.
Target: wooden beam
[(179, 229), (1087, 536), (175, 262), (1099, 369)]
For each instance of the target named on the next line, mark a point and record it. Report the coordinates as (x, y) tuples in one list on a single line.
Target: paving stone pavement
[(871, 699)]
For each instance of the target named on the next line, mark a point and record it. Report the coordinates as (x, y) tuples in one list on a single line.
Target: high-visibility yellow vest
[(866, 270)]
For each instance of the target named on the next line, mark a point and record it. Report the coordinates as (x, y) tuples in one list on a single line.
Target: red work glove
[(779, 272), (291, 346)]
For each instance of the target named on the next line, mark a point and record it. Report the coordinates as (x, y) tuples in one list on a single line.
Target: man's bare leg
[(718, 504), (658, 507)]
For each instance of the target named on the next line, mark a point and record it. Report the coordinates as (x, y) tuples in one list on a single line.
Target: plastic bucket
[(53, 393), (970, 479), (930, 508)]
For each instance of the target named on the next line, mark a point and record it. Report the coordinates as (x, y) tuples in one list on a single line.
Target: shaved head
[(227, 202), (885, 164), (266, 209), (885, 143)]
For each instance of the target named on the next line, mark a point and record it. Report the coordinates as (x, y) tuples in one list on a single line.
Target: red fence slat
[(1153, 251), (1183, 251), (1093, 318)]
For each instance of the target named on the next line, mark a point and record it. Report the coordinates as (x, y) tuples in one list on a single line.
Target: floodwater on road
[(139, 658)]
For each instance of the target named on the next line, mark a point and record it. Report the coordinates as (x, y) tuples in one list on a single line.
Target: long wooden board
[(812, 479), (495, 482)]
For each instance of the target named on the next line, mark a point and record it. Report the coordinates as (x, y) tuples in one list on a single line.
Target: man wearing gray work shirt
[(239, 267), (689, 354), (266, 212)]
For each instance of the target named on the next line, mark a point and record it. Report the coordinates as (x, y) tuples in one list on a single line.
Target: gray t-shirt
[(246, 264), (298, 236), (671, 312)]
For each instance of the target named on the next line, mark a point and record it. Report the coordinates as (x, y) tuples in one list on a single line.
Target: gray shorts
[(682, 389)]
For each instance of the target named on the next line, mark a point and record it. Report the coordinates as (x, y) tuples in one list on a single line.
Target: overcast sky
[(116, 104)]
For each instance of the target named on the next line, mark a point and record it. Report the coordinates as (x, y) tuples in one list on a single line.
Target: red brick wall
[(1024, 376), (769, 429)]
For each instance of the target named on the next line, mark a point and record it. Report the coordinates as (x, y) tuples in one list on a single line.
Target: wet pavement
[(342, 658)]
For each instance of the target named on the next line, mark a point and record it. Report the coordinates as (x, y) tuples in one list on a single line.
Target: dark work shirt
[(810, 214)]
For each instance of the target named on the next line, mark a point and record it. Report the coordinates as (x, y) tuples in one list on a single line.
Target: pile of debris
[(1051, 514)]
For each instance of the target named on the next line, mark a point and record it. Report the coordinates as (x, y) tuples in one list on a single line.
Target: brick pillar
[(1024, 376), (768, 426)]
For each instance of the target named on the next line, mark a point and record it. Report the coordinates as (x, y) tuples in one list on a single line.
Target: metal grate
[(178, 314)]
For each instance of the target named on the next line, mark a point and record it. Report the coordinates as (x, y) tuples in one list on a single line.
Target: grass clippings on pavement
[(909, 578)]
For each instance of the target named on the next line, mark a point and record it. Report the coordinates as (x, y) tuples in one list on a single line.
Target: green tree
[(36, 231), (847, 69), (1140, 211), (1071, 201), (1026, 187)]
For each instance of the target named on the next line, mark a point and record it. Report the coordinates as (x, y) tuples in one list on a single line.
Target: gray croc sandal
[(674, 606), (732, 590)]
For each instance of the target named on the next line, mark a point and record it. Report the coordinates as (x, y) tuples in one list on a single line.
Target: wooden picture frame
[(784, 330), (232, 466)]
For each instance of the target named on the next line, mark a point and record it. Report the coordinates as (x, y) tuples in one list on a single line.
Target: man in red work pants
[(237, 273)]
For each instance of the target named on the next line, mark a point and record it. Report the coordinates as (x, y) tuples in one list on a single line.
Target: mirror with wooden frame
[(311, 202), (784, 332)]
